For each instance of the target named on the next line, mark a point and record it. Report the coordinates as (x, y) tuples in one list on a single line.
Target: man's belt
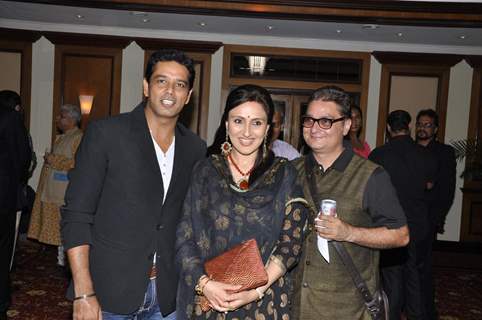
[(153, 272)]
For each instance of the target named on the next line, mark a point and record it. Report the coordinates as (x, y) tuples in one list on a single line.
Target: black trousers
[(392, 263), (404, 279), (414, 281), (7, 234), (428, 287)]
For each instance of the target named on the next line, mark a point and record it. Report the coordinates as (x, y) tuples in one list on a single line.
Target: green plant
[(472, 152)]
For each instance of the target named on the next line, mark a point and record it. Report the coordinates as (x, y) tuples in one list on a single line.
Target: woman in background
[(241, 193), (45, 219), (360, 147)]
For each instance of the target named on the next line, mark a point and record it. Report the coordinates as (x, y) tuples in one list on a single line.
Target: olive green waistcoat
[(325, 290)]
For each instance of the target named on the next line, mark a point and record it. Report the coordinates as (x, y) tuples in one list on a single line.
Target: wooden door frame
[(472, 190)]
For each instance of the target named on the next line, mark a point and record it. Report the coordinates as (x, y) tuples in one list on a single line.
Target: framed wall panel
[(19, 42), (431, 70), (82, 70)]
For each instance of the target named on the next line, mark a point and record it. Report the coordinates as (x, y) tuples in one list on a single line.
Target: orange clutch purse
[(241, 265)]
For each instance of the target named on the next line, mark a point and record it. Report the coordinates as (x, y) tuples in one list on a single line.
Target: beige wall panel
[(10, 64), (413, 94)]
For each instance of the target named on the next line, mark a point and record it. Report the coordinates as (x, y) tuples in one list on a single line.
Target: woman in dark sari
[(241, 193)]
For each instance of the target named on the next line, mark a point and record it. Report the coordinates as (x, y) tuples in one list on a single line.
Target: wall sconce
[(86, 103)]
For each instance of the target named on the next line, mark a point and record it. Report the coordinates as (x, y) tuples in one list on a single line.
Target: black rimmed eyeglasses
[(324, 123), (426, 125)]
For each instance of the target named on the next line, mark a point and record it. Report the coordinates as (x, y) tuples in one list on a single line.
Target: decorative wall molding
[(440, 14)]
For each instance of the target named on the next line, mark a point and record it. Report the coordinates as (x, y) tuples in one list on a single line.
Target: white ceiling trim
[(305, 43)]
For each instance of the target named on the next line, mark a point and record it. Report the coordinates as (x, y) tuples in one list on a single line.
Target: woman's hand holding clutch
[(240, 299), (219, 295)]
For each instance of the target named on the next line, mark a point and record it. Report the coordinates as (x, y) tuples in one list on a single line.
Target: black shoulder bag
[(377, 304)]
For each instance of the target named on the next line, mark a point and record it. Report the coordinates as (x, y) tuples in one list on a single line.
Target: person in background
[(15, 155), (12, 101), (369, 216), (411, 172), (360, 147), (441, 197), (238, 193), (45, 219), (279, 147), (125, 197)]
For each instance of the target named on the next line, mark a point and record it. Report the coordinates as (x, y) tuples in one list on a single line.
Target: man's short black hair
[(333, 94), (399, 120), (170, 55), (429, 113), (9, 99)]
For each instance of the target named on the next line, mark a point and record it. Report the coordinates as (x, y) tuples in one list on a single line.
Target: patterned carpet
[(39, 288)]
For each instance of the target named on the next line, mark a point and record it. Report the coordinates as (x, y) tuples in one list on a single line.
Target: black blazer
[(441, 197), (114, 203), (15, 154), (410, 168)]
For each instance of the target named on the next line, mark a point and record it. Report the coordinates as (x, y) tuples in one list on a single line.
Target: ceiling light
[(270, 28), (138, 13), (370, 26), (202, 24), (257, 64), (339, 31), (462, 36), (146, 20), (79, 16), (399, 34)]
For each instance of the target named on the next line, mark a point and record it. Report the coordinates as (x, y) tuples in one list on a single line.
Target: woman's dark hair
[(170, 55), (357, 108), (238, 96)]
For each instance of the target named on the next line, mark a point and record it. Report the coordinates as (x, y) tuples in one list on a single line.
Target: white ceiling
[(467, 37)]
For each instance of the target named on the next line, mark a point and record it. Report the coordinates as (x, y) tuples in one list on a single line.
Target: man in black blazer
[(125, 199), (14, 162), (411, 171), (441, 197)]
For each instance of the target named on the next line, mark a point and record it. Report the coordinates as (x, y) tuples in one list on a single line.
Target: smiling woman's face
[(247, 126)]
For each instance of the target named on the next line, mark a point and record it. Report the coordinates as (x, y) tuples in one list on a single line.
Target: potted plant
[(472, 152)]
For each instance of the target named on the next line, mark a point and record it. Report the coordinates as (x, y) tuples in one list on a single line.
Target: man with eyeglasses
[(441, 197), (368, 214)]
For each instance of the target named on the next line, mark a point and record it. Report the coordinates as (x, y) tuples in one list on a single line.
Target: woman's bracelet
[(260, 294), (200, 286), (84, 296)]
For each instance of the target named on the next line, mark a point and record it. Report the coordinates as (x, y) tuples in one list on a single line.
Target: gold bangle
[(199, 286)]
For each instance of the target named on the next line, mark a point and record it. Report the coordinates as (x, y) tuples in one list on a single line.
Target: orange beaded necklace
[(243, 183)]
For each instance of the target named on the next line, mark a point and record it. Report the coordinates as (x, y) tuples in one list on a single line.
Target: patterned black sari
[(218, 216)]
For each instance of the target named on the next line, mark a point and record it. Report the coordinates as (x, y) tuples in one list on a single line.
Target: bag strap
[(343, 253), (353, 271)]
